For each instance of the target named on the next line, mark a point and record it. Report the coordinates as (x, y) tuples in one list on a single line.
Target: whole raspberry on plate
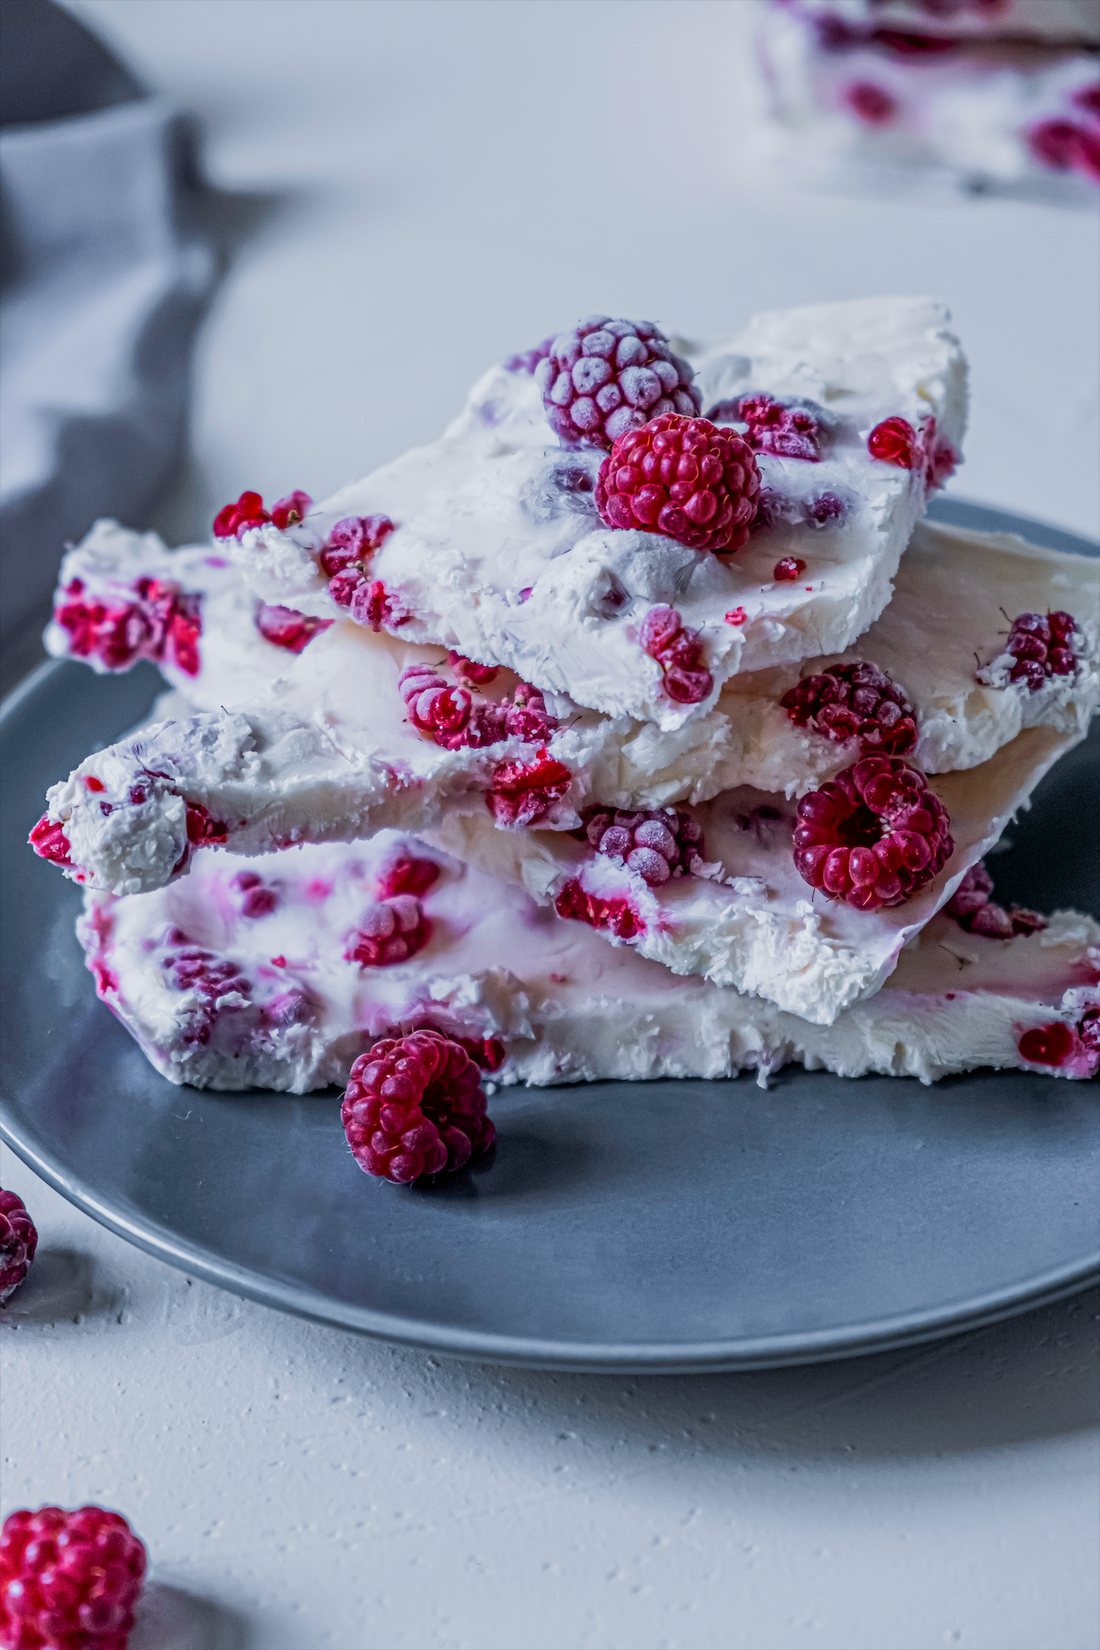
[(874, 836), (18, 1241), (607, 377), (854, 701), (68, 1580), (414, 1105), (685, 478)]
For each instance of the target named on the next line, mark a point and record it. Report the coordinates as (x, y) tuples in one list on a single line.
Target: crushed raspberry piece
[(657, 843), (343, 559), (1066, 147), (736, 615), (215, 982), (894, 441), (683, 477), (407, 875), (203, 830), (1040, 647), (608, 377), (414, 1106), (236, 519), (49, 841), (611, 916), (68, 1580), (390, 931), (825, 508), (373, 605), (287, 628), (254, 898), (526, 716), (854, 701), (159, 621), (873, 106), (973, 908), (289, 511), (466, 670), (527, 360), (523, 792), (679, 653), (1088, 1029), (787, 431), (94, 784), (1049, 1045), (433, 707), (18, 1241), (874, 836), (790, 567)]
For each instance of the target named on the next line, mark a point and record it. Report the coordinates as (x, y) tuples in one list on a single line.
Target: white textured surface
[(330, 1493)]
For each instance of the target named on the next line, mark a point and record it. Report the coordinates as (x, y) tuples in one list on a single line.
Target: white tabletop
[(443, 184)]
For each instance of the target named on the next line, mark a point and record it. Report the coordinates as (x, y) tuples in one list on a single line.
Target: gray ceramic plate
[(657, 1226)]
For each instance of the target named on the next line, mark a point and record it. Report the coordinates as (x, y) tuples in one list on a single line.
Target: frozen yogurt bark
[(233, 981), (489, 542), (1051, 21)]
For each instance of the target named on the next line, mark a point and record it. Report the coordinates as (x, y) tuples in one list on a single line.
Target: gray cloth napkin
[(105, 274)]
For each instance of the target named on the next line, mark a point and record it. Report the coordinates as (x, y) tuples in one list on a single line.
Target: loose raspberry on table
[(607, 377), (973, 908), (685, 478), (679, 653), (390, 931), (874, 836), (287, 628), (657, 843), (785, 431), (854, 701), (610, 916), (68, 1580), (522, 793), (788, 568), (415, 1106), (18, 1242)]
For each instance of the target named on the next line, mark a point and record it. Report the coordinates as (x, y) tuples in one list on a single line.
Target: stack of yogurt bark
[(637, 727)]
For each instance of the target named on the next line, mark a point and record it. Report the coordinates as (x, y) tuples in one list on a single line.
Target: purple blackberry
[(607, 377)]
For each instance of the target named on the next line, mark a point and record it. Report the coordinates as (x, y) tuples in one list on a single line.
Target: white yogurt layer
[(563, 1006), (755, 924), (498, 552)]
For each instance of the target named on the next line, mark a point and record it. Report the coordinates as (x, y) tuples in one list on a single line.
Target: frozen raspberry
[(49, 841), (1088, 1029), (894, 441), (973, 892), (203, 830), (235, 519), (526, 716), (472, 674), (289, 511), (874, 836), (657, 843), (287, 628), (679, 653), (1066, 147), (18, 1241), (522, 793), (68, 1580), (873, 106), (1088, 98), (161, 620), (611, 916), (414, 1105), (683, 477), (344, 557), (1048, 1045), (607, 377), (407, 875), (785, 431), (433, 707), (373, 605), (254, 899), (790, 567), (216, 984), (854, 701), (527, 360), (1041, 646), (825, 508), (973, 908), (390, 931)]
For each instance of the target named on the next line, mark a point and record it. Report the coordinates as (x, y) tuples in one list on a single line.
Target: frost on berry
[(287, 628), (415, 1106), (527, 360), (679, 653), (973, 909), (616, 916), (522, 793), (685, 478), (68, 1580), (607, 377), (656, 843), (160, 621), (18, 1241), (786, 430), (874, 836), (391, 930), (854, 701), (1039, 646), (449, 716), (344, 558)]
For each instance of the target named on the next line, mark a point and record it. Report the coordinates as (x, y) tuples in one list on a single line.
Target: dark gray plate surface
[(654, 1226)]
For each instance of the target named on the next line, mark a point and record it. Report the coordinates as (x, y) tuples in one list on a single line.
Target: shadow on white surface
[(62, 1284), (167, 1618)]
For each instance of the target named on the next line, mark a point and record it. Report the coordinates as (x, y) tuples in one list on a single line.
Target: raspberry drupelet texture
[(973, 908), (18, 1241), (390, 931), (854, 701), (287, 628), (679, 653), (685, 478), (216, 984), (522, 793), (449, 716), (874, 836), (785, 431), (49, 841), (344, 558), (415, 1106), (160, 621), (611, 916), (68, 1580), (406, 875), (607, 377), (657, 843), (1041, 646), (235, 519)]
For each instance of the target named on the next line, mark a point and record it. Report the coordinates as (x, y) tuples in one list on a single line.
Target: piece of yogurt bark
[(333, 748), (1053, 22), (498, 553), (233, 981)]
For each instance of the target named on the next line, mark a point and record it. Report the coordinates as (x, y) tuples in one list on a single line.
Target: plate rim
[(728, 1355)]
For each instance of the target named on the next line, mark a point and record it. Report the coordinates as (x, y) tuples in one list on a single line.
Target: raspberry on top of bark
[(679, 653), (234, 520), (685, 478), (895, 441), (856, 700), (656, 843), (1040, 646), (607, 377), (874, 836)]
